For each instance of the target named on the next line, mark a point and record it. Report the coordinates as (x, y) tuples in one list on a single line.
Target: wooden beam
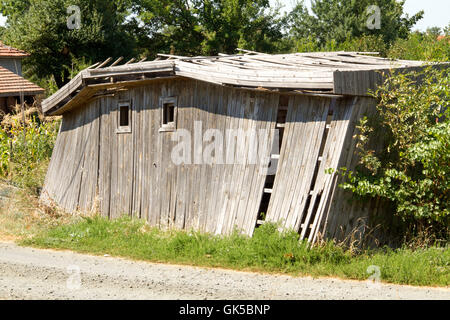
[(104, 63), (94, 65), (116, 62), (172, 56), (250, 51)]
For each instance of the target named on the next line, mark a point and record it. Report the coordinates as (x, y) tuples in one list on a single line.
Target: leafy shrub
[(366, 43), (412, 169), (25, 151), (421, 46)]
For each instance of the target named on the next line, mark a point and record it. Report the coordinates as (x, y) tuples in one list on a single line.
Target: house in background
[(12, 84), (443, 38)]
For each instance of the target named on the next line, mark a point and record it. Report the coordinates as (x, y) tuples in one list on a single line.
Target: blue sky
[(436, 11)]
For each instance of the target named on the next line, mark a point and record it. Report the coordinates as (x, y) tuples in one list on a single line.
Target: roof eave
[(110, 76), (26, 93)]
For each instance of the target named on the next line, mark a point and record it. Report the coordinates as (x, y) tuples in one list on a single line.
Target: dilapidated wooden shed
[(121, 128)]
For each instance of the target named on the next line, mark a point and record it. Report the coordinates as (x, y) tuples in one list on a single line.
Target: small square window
[(168, 114), (124, 118)]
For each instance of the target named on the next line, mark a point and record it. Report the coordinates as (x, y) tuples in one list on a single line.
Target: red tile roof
[(6, 51), (440, 38), (11, 83)]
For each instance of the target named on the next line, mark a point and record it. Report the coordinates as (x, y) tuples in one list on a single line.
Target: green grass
[(267, 251), (22, 216)]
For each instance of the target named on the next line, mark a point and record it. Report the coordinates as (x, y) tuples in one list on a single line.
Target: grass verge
[(22, 216), (267, 251)]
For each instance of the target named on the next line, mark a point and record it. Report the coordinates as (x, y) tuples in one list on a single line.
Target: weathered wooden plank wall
[(318, 136), (212, 198), (347, 216), (361, 82), (133, 173), (343, 110), (305, 127), (95, 168), (71, 179)]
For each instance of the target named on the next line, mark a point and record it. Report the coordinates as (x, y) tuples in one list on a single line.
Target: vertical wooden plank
[(146, 144), (184, 95), (249, 123), (105, 160), (236, 174), (202, 193), (153, 144), (224, 214), (115, 206), (173, 91), (224, 190), (217, 123), (189, 116), (88, 183), (136, 182)]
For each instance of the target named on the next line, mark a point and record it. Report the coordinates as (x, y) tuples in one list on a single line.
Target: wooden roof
[(320, 72), (12, 84)]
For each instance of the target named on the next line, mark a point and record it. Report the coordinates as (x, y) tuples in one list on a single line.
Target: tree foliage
[(341, 20), (210, 26), (40, 28), (423, 46), (135, 27)]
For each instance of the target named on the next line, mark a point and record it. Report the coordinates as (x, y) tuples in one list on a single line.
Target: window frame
[(170, 126), (124, 129)]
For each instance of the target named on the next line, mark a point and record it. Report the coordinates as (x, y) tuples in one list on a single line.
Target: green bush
[(421, 46), (411, 169), (25, 151), (366, 43)]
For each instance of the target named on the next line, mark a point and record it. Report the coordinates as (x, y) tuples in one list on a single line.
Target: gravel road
[(27, 273)]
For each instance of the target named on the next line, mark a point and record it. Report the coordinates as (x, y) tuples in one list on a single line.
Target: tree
[(434, 31), (342, 20), (209, 26), (131, 27), (41, 28)]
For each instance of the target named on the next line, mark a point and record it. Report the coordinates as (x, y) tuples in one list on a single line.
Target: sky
[(436, 12)]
